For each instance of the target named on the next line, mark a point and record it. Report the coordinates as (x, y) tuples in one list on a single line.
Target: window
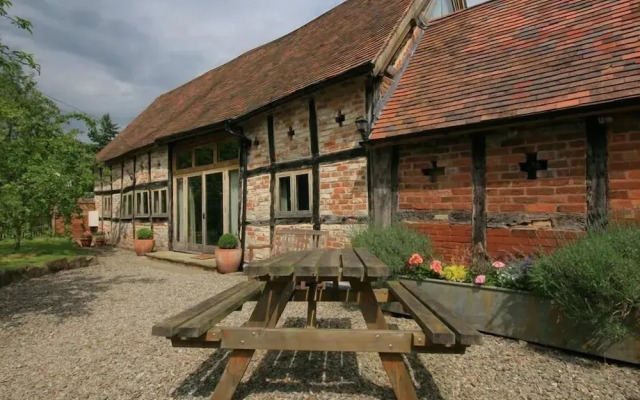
[(159, 207), (184, 160), (227, 150), (142, 204), (106, 206), (204, 155), (127, 206), (294, 193), (439, 8)]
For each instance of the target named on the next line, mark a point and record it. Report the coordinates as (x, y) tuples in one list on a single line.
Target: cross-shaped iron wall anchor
[(291, 132), (533, 165), (433, 172), (340, 118)]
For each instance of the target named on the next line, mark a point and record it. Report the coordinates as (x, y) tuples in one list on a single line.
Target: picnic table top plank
[(308, 266), (284, 266), (261, 267), (198, 325), (374, 267), (330, 264), (352, 267), (437, 332), (465, 333)]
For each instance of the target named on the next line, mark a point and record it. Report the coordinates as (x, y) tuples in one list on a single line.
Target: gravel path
[(86, 334)]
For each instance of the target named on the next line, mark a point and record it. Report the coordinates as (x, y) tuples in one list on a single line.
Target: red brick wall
[(79, 222), (451, 241), (451, 191), (624, 167), (343, 188), (561, 188), (503, 242)]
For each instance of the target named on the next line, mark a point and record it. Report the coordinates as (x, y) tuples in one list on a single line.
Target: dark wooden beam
[(479, 184), (272, 183), (597, 174), (144, 186), (344, 155), (381, 167), (315, 168), (242, 178), (170, 194)]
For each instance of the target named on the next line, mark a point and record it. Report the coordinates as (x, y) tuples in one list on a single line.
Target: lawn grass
[(37, 252)]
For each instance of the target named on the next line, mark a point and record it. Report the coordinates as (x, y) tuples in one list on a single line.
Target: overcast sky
[(116, 56)]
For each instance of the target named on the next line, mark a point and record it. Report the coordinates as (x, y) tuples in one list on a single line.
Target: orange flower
[(415, 261), (436, 266)]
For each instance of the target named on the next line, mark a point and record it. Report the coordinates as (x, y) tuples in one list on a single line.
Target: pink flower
[(480, 279), (436, 266), (498, 265), (415, 261)]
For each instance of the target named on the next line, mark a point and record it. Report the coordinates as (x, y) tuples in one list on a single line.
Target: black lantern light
[(363, 127)]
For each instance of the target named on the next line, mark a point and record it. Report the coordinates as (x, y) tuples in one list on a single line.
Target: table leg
[(268, 310), (393, 363), (312, 305)]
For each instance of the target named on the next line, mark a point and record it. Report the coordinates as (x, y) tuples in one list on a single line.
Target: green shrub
[(145, 234), (393, 245), (595, 280), (228, 241)]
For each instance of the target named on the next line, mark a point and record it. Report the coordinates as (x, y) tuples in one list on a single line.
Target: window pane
[(179, 207), (145, 203), (163, 202), (302, 190), (204, 155), (227, 150), (285, 194), (183, 159), (138, 203), (129, 205), (234, 181), (156, 202)]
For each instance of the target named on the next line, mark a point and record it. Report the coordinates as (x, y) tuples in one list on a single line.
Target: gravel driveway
[(87, 334)]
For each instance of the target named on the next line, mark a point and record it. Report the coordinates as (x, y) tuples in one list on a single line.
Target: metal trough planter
[(526, 316)]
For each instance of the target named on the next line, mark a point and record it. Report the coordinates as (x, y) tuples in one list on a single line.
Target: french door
[(205, 207)]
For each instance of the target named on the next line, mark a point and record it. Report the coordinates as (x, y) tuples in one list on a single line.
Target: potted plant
[(99, 239), (86, 239), (228, 255), (144, 242)]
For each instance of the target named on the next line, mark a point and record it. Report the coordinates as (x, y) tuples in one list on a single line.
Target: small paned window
[(142, 204), (294, 193), (204, 155), (106, 206), (184, 159), (227, 150), (127, 206), (159, 206)]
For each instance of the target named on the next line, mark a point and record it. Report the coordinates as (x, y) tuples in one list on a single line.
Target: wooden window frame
[(294, 213), (191, 147), (159, 213), (141, 195), (125, 200), (106, 211)]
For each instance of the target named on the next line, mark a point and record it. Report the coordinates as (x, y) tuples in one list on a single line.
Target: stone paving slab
[(183, 258)]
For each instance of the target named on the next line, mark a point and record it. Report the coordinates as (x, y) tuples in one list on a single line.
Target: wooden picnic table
[(274, 283)]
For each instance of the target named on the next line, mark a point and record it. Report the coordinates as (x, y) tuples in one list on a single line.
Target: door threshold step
[(184, 259)]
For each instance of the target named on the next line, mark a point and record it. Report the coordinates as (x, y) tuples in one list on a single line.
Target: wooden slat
[(437, 332), (340, 295), (308, 266), (330, 264), (352, 267), (285, 265), (261, 267), (373, 266), (197, 326), (465, 333), (169, 327), (296, 339)]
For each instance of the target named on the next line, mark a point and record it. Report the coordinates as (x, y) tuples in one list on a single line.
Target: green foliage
[(145, 234), (595, 280), (42, 165), (103, 132), (11, 58), (393, 245), (228, 241), (37, 252)]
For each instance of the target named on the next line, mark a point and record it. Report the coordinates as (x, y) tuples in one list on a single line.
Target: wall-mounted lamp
[(363, 127)]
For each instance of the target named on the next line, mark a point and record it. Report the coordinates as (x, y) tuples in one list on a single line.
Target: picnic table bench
[(273, 284)]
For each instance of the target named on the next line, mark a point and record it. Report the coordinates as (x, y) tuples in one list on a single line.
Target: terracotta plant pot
[(142, 247), (99, 241), (85, 242), (228, 260)]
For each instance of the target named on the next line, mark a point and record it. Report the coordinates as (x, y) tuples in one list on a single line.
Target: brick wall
[(258, 198), (561, 188), (451, 241), (343, 188), (294, 115), (256, 130), (79, 222), (624, 167), (449, 191)]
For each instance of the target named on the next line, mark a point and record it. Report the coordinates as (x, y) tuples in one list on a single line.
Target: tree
[(103, 132), (10, 58), (42, 165)]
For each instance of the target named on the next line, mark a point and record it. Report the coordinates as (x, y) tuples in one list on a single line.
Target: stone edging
[(27, 272)]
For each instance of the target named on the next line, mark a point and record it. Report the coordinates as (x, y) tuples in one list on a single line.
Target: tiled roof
[(349, 36), (511, 58)]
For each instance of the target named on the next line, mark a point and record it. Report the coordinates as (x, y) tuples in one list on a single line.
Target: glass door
[(195, 214), (214, 215)]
